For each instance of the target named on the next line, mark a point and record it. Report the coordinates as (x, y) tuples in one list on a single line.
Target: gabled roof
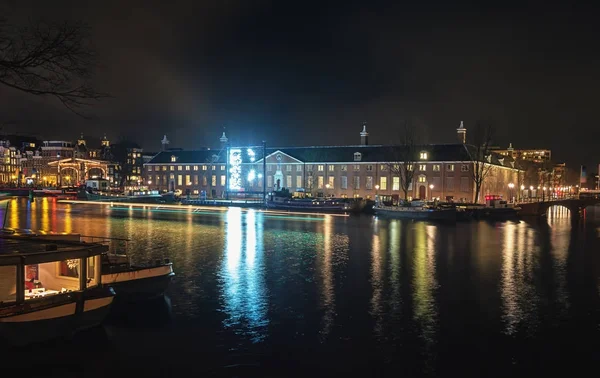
[(188, 157)]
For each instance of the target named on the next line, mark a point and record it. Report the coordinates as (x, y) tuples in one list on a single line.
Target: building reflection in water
[(424, 282), (377, 272), (559, 220), (243, 291), (519, 296), (327, 295)]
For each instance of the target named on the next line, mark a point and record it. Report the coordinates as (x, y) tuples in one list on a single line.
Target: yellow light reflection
[(327, 285), (377, 267), (425, 311)]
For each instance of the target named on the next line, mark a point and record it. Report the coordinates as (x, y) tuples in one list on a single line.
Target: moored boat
[(49, 288), (416, 210), (276, 202), (130, 282)]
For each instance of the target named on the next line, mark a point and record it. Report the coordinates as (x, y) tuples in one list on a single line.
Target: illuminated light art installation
[(235, 172)]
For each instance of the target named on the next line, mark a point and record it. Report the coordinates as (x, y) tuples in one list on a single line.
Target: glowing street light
[(431, 191), (511, 186)]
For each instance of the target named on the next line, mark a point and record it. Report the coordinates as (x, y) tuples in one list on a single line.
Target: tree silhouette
[(49, 59)]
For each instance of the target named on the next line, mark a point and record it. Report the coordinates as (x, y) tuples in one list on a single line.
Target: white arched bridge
[(575, 205)]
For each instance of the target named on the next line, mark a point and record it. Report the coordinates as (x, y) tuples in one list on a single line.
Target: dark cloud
[(310, 73)]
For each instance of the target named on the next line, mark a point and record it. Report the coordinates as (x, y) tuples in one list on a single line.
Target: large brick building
[(440, 171)]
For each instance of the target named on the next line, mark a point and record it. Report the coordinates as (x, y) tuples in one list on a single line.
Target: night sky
[(303, 73)]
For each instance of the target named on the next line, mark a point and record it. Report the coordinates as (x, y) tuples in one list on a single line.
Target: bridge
[(575, 205)]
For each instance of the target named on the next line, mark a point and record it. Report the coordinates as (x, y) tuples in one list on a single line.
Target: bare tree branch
[(480, 155), (46, 59), (404, 156)]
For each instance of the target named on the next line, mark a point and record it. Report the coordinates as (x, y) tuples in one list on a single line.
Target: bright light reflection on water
[(356, 292)]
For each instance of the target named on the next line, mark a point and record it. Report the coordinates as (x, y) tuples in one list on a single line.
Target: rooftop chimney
[(364, 135), (462, 133)]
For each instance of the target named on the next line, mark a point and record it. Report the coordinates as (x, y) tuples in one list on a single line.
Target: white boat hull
[(26, 325)]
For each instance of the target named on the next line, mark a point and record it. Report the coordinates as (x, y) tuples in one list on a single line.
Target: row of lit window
[(369, 167), (182, 168), (330, 183), (188, 180)]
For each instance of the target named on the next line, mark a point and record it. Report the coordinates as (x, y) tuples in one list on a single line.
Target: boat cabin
[(33, 268), (496, 201)]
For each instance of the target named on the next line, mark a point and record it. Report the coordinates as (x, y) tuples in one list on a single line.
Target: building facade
[(532, 155), (361, 171)]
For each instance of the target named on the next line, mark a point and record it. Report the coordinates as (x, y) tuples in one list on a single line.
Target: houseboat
[(49, 288), (130, 282), (415, 210)]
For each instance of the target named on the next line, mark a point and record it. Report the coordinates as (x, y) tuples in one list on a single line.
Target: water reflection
[(242, 276), (327, 293), (559, 221), (377, 272), (424, 282)]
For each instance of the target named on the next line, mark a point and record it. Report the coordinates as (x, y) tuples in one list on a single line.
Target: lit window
[(187, 167), (214, 168), (309, 168), (450, 167), (331, 168), (422, 179), (149, 168), (298, 181), (356, 167), (423, 155), (188, 180), (395, 183), (173, 159), (422, 167), (464, 168), (204, 167), (179, 180), (436, 167), (410, 168), (213, 180), (320, 168), (195, 191), (320, 182), (383, 183), (288, 168), (223, 180), (383, 167), (369, 183), (298, 168), (330, 181), (179, 168), (171, 168), (222, 167), (195, 167)]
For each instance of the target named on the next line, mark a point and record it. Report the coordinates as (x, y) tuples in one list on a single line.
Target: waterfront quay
[(264, 294)]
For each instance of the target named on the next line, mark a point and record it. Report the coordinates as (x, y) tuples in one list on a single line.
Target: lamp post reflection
[(327, 292), (243, 290)]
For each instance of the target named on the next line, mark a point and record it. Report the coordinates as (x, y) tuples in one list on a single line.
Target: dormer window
[(423, 155), (357, 156), (173, 159)]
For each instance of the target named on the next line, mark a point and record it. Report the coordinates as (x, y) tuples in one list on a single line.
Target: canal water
[(270, 294)]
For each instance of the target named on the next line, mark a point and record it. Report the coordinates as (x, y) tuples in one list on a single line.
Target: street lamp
[(511, 186), (544, 193), (431, 191), (327, 186)]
